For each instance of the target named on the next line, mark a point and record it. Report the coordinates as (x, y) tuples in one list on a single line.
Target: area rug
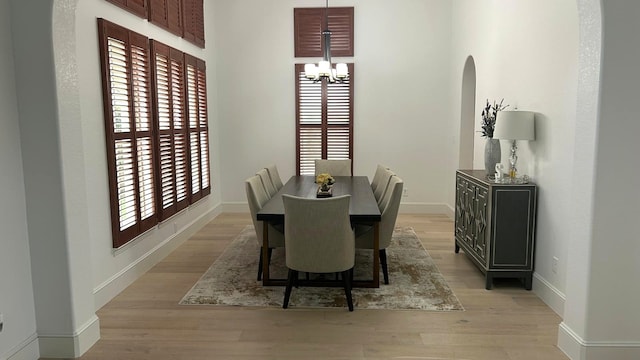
[(415, 281)]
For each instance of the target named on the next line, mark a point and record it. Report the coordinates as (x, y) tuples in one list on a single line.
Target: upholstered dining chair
[(275, 176), (333, 167), (377, 177), (319, 239), (364, 233), (257, 197), (380, 191), (266, 182)]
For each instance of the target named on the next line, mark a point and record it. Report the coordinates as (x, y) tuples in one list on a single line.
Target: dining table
[(363, 209)]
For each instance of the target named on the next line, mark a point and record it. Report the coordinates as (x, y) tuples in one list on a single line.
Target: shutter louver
[(128, 123)]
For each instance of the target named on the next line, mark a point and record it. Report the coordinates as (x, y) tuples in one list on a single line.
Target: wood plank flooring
[(146, 322)]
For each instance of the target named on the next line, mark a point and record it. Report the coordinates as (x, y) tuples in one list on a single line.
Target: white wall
[(16, 293), (402, 105), (527, 53)]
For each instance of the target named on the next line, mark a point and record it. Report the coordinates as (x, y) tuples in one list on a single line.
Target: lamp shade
[(515, 125)]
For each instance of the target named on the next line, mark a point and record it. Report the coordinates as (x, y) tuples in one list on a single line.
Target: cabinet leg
[(488, 282), (457, 248), (528, 282)]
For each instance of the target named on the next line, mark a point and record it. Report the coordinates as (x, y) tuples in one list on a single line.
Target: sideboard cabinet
[(495, 226)]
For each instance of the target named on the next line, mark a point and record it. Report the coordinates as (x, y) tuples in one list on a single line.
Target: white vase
[(492, 155)]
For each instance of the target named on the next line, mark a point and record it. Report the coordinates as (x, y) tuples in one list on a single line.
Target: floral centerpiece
[(492, 152), (324, 181), (489, 114)]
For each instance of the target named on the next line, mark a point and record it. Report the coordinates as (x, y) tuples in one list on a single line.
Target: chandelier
[(324, 69)]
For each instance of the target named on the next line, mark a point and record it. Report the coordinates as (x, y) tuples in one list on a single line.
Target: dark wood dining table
[(363, 209)]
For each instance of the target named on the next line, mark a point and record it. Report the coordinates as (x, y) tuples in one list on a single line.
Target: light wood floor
[(146, 322)]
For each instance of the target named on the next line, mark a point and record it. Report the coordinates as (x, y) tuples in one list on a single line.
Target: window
[(138, 7), (167, 14), (324, 112), (129, 131), (324, 120), (155, 103)]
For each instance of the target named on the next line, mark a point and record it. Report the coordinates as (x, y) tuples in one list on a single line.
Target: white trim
[(104, 292), (70, 345), (235, 207), (426, 208), (577, 348), (28, 349), (548, 293)]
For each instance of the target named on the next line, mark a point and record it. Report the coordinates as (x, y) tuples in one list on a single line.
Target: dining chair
[(333, 167), (380, 191), (364, 233), (257, 197), (275, 176), (266, 182), (377, 177), (319, 240)]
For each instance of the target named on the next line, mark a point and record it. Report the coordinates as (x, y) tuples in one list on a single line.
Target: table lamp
[(514, 125)]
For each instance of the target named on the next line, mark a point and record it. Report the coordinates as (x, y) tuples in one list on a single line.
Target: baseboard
[(72, 345), (425, 208), (548, 293), (235, 207), (578, 349), (29, 349), (106, 291)]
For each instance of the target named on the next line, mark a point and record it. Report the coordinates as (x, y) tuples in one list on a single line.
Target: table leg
[(265, 253), (376, 254)]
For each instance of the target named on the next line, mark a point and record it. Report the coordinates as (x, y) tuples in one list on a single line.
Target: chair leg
[(260, 265), (383, 263), (346, 278), (287, 292)]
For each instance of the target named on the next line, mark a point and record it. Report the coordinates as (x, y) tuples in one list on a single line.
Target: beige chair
[(319, 239), (257, 197), (275, 176), (380, 191), (333, 167), (266, 182), (377, 177), (364, 233)]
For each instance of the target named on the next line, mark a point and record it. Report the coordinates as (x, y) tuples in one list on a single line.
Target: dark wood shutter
[(193, 21), (309, 24), (324, 120), (138, 7), (166, 14), (129, 128), (198, 127), (170, 122)]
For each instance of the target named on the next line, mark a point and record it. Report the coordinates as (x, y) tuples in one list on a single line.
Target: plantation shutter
[(129, 129), (169, 103), (198, 127), (138, 7), (193, 21), (309, 24), (167, 14), (324, 120)]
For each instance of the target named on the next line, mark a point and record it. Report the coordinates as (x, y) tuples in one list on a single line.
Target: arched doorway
[(467, 111)]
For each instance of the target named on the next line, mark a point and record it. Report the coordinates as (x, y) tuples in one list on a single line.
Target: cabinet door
[(480, 222), (460, 207), (469, 213)]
